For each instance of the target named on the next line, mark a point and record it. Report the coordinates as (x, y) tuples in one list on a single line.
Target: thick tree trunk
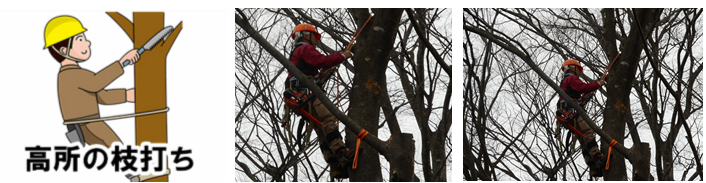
[(371, 57), (438, 156), (402, 159), (150, 84), (618, 87), (150, 76)]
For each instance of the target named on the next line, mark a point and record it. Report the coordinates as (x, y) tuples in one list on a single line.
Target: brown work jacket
[(80, 91)]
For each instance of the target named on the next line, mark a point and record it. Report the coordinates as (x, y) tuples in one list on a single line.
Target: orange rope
[(355, 36), (361, 135), (610, 148)]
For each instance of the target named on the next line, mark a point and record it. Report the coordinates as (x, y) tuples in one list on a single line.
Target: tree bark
[(401, 160), (150, 76), (372, 55), (618, 87)]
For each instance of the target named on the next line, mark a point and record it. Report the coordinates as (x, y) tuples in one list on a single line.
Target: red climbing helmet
[(306, 27), (569, 62)]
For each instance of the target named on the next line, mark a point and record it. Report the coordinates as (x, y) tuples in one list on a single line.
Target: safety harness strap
[(117, 117), (610, 148), (361, 135)]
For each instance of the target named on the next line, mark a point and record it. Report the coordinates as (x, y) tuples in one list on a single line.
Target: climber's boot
[(338, 172), (598, 165)]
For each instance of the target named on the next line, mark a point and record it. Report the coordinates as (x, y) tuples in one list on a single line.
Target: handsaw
[(162, 34)]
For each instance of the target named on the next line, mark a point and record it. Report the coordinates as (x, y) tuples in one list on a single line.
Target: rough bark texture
[(150, 76), (402, 170), (371, 57), (618, 88)]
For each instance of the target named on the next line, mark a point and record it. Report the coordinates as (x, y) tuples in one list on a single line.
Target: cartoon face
[(81, 47)]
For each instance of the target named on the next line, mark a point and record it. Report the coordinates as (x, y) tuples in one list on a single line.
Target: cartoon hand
[(130, 95), (131, 57)]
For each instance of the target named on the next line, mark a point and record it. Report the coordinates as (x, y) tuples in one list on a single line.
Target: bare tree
[(657, 65), (271, 146)]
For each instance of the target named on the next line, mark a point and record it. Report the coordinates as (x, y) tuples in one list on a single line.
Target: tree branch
[(422, 37), (371, 139), (503, 43), (124, 23)]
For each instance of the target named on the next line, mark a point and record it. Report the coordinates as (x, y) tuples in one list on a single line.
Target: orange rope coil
[(361, 135)]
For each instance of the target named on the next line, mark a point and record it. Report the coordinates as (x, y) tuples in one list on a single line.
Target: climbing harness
[(298, 100), (567, 116)]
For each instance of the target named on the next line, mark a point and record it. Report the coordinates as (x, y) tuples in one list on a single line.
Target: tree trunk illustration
[(150, 76)]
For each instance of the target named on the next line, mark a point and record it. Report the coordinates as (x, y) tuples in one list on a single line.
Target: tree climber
[(80, 90), (309, 60), (577, 89)]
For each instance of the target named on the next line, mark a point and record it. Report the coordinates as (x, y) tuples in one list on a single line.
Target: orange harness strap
[(361, 135), (612, 143)]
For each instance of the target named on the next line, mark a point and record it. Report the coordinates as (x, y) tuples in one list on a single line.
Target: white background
[(200, 88)]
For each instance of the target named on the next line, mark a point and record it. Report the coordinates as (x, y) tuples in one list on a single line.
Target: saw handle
[(126, 62)]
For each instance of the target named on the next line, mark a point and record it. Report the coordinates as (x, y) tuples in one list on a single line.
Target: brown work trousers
[(588, 136), (99, 133), (328, 125)]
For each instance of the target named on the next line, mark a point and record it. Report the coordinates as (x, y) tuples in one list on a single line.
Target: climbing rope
[(610, 148), (355, 36), (361, 135), (117, 117)]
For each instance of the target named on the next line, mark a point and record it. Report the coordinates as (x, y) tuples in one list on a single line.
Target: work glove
[(347, 54)]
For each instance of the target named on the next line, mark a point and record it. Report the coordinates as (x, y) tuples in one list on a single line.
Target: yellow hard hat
[(61, 28)]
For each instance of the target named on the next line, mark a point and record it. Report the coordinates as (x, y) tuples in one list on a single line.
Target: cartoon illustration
[(150, 76), (80, 90)]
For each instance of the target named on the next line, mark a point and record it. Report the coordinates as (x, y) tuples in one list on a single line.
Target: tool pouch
[(75, 134)]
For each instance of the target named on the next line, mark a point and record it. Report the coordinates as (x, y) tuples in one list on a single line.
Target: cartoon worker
[(80, 90)]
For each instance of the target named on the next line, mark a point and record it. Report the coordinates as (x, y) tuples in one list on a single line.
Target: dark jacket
[(575, 88), (309, 60)]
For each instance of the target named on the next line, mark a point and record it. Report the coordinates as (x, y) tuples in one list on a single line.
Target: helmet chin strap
[(67, 56)]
